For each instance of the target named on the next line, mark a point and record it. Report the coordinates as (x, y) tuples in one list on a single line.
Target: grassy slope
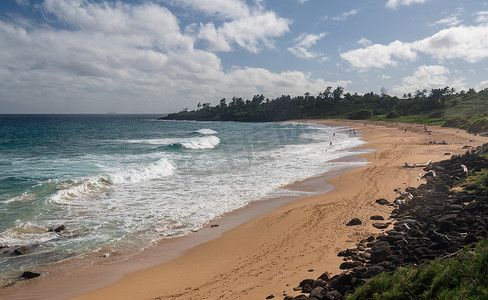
[(468, 111), (464, 276)]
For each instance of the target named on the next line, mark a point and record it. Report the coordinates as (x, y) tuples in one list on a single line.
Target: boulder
[(29, 275), (354, 222), (382, 201), (318, 292), (57, 229), (349, 265), (381, 225)]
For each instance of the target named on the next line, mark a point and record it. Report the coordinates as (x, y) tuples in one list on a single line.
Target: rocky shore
[(431, 221)]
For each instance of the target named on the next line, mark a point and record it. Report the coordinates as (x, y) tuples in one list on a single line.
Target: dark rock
[(325, 276), (29, 275), (381, 225), (377, 218), (349, 265), (335, 295), (373, 271), (214, 225), (318, 292), (300, 297), (382, 201), (348, 252), (307, 288), (57, 229), (270, 297), (305, 282), (470, 239), (354, 222), (380, 251), (20, 251), (319, 282), (440, 245), (340, 282)]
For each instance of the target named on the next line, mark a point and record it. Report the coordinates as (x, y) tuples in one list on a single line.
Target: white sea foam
[(155, 170), (206, 131), (160, 142), (79, 191), (205, 142)]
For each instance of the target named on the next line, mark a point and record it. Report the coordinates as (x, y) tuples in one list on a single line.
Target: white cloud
[(428, 77), (343, 16), (379, 56), (276, 84), (449, 21), (125, 58), (364, 42), (23, 3), (244, 26), (247, 32), (304, 43), (482, 17), (302, 1), (395, 3), (482, 85), (463, 42)]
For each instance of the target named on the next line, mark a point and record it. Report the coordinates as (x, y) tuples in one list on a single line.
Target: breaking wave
[(206, 131)]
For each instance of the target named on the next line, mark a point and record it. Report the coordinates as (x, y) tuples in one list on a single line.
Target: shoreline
[(273, 252), (101, 272)]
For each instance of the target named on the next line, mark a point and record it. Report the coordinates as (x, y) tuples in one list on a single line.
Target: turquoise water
[(124, 182)]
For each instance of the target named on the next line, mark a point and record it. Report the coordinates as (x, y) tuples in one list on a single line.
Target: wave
[(206, 142), (167, 141), (203, 142), (156, 170), (206, 131), (91, 188)]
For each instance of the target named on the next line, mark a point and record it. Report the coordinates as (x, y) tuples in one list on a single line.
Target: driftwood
[(407, 165), (404, 198), (422, 175)]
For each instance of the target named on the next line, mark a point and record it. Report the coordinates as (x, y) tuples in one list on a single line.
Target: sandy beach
[(272, 253)]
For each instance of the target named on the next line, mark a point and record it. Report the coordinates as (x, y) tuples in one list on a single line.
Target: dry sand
[(272, 253)]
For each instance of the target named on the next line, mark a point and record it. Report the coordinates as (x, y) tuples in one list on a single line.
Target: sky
[(161, 56)]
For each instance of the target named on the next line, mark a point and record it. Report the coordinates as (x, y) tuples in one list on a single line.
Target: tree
[(338, 93), (223, 103)]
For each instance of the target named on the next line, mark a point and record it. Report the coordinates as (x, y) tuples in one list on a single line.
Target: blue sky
[(157, 56)]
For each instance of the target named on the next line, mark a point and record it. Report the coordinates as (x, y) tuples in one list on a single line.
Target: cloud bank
[(105, 56), (469, 43)]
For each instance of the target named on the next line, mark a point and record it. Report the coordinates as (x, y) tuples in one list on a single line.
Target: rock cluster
[(60, 231), (435, 223)]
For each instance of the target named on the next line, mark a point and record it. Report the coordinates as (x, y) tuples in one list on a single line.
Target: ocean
[(121, 183)]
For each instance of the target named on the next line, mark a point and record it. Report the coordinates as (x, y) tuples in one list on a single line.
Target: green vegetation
[(464, 276), (443, 106)]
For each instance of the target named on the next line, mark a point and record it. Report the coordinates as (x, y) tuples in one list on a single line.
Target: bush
[(392, 115), (463, 277), (361, 114)]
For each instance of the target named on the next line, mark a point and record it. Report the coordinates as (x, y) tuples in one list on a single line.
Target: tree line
[(327, 103)]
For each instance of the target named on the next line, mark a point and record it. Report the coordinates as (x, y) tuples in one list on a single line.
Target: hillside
[(467, 110)]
